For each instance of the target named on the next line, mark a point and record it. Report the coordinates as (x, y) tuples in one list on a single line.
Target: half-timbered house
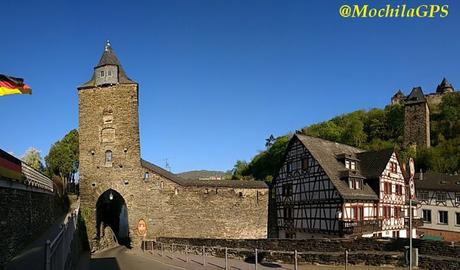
[(326, 188), (439, 205)]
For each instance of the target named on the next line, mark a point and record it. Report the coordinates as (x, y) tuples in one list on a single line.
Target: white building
[(439, 205)]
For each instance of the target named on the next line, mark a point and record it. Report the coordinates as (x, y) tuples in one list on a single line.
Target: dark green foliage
[(62, 159), (378, 129)]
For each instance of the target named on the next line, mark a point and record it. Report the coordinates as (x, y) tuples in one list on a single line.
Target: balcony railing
[(360, 226)]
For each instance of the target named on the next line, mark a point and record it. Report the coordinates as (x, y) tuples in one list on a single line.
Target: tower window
[(102, 73), (109, 73), (108, 157)]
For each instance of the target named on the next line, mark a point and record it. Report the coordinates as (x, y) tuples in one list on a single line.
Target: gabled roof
[(416, 96), (326, 153), (203, 183), (437, 182), (109, 58), (373, 163)]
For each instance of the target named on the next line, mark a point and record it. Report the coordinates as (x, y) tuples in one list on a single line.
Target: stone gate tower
[(416, 119), (137, 199), (109, 136)]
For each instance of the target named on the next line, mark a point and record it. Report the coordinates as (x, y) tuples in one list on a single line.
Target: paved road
[(121, 258)]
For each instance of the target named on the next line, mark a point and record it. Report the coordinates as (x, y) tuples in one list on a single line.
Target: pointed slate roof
[(416, 96), (399, 93), (109, 58), (444, 87), (327, 154)]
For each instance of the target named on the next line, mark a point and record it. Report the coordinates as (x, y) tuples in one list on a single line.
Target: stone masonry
[(110, 160)]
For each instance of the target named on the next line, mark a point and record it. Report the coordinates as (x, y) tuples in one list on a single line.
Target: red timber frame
[(392, 203), (306, 200)]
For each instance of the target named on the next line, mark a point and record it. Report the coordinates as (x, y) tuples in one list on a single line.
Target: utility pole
[(411, 196)]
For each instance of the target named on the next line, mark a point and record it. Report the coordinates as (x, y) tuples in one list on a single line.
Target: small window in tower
[(109, 73), (108, 157), (102, 73)]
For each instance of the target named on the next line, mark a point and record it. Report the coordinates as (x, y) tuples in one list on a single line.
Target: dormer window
[(355, 183), (350, 164), (353, 165)]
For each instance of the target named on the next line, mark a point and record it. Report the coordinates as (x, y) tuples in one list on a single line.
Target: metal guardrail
[(258, 254), (58, 251), (36, 179)]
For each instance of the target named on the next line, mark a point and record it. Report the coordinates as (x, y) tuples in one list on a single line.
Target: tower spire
[(108, 46)]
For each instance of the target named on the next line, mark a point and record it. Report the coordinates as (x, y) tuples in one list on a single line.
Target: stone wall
[(23, 216), (108, 121), (433, 254)]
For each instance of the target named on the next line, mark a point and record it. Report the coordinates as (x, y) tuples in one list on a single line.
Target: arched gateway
[(115, 181), (111, 211)]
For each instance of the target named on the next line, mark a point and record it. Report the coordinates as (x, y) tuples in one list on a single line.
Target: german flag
[(10, 167), (11, 85)]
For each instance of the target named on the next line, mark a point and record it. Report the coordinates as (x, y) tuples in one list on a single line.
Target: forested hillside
[(373, 130)]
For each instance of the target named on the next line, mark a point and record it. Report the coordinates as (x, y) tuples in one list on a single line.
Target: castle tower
[(109, 143), (398, 98), (416, 119), (444, 87)]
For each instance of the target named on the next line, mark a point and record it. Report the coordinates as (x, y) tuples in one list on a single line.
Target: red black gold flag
[(11, 85), (10, 167)]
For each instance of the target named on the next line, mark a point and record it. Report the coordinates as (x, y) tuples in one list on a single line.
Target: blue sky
[(216, 77)]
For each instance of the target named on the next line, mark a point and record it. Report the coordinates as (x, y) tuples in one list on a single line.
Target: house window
[(352, 165), (109, 73), (386, 211), (393, 167), (426, 215), (102, 73), (423, 196), (287, 213), (146, 176), (287, 189), (358, 184), (397, 212), (347, 164), (108, 157), (457, 219), (443, 218), (359, 213), (387, 188), (289, 167), (457, 198), (305, 164), (441, 197), (290, 235)]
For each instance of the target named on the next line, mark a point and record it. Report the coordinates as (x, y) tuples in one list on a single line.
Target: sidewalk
[(33, 255), (195, 262)]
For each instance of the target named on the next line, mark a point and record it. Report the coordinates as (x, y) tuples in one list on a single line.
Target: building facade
[(329, 189), (122, 191), (439, 205)]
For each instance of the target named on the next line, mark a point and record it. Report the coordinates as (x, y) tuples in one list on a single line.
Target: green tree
[(62, 159), (33, 158)]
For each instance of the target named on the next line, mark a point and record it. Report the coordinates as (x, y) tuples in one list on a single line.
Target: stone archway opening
[(111, 211)]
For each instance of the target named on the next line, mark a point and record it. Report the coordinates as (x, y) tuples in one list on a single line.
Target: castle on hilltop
[(417, 112)]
